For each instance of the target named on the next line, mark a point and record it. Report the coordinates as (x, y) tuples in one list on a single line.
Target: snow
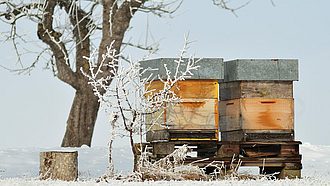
[(92, 162), (32, 182), (20, 166)]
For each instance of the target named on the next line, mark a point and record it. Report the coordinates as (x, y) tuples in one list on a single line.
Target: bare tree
[(66, 31), (130, 99)]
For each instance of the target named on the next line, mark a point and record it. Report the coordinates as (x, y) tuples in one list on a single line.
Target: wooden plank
[(267, 113), (191, 135), (154, 120), (154, 87), (258, 162), (253, 143), (236, 135), (256, 89), (268, 136), (190, 88), (198, 89), (257, 113), (191, 113), (230, 90), (194, 114), (289, 149), (163, 148), (228, 151), (173, 131), (262, 151), (290, 174), (258, 136), (230, 115), (156, 135), (195, 142), (253, 154), (266, 131)]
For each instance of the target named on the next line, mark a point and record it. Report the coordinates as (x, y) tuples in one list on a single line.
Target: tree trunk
[(59, 165), (82, 118), (134, 150)]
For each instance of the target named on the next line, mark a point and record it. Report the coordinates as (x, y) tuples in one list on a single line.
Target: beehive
[(256, 100), (196, 116)]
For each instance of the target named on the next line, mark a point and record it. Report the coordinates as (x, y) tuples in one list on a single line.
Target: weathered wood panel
[(290, 174), (256, 113), (235, 135), (289, 149), (193, 134), (154, 120), (198, 89), (163, 148), (230, 115), (228, 150), (257, 135), (256, 89), (267, 113), (156, 135), (194, 114), (188, 114), (190, 88), (259, 151), (199, 108), (154, 86)]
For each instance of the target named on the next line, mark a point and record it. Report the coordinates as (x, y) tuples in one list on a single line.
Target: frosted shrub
[(129, 98), (170, 167)]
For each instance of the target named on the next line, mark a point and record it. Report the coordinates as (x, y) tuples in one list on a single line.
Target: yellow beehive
[(198, 108), (196, 116)]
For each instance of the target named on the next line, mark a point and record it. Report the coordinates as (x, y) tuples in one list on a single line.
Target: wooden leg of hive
[(225, 151), (162, 149), (291, 174), (291, 171)]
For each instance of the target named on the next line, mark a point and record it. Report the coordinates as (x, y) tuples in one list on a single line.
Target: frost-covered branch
[(129, 97), (224, 4), (160, 8)]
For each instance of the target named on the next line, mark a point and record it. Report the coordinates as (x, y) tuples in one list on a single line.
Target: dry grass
[(172, 167)]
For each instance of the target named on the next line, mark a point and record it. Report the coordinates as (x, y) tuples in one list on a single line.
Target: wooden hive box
[(256, 100), (196, 116), (257, 119), (255, 89)]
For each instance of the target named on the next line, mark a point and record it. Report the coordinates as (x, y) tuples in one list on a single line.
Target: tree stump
[(59, 165)]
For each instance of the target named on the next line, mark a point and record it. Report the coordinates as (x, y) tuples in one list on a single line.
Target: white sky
[(34, 109)]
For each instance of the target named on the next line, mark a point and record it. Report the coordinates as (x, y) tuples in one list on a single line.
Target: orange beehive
[(256, 100)]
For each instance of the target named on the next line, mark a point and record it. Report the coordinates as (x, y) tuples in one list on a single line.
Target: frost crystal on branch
[(129, 98)]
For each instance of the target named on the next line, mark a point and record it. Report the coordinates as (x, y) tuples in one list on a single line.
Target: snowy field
[(21, 166)]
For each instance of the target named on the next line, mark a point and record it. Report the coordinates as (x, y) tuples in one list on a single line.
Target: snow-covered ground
[(21, 166)]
